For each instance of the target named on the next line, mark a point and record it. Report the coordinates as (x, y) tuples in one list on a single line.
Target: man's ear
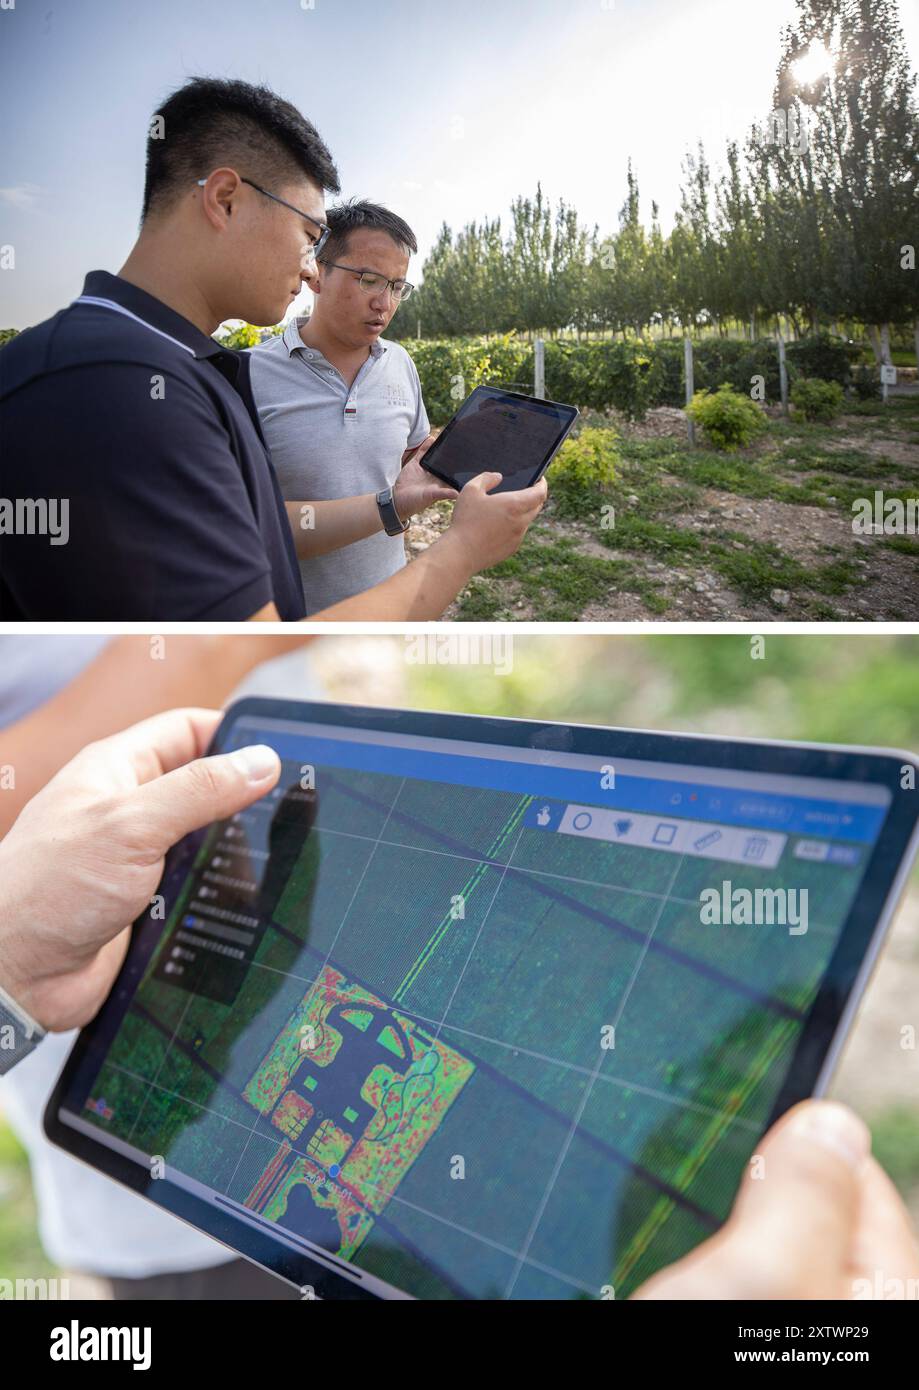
[(217, 194)]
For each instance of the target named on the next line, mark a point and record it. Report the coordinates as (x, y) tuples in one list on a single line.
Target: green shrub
[(583, 471), (729, 418), (450, 368), (823, 356), (817, 400), (593, 375), (669, 372), (866, 383), (733, 362), (247, 335), (716, 362), (244, 335), (600, 375), (630, 376)]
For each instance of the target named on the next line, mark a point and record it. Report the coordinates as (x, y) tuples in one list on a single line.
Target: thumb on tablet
[(799, 1205), (484, 482), (205, 790), (792, 1229)]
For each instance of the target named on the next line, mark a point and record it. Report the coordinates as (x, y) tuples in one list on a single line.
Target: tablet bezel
[(824, 1031), (499, 391)]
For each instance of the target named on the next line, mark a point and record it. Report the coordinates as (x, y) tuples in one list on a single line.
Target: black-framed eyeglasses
[(373, 283), (324, 231)]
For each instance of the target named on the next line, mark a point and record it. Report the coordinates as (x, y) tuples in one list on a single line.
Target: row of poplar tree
[(811, 217)]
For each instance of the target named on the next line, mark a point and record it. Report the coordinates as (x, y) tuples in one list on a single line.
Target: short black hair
[(345, 218), (209, 122)]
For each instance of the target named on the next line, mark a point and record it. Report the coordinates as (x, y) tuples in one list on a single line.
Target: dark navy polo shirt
[(148, 428)]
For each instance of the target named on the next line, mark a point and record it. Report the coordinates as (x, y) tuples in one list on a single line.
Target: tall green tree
[(859, 181)]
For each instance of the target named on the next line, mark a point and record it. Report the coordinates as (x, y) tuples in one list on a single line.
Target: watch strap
[(19, 1033), (393, 525)]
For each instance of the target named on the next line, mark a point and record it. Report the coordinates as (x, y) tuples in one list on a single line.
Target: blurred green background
[(861, 688)]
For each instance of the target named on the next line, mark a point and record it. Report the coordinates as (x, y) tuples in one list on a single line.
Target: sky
[(444, 110)]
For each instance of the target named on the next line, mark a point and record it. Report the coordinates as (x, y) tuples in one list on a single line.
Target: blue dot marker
[(334, 1170)]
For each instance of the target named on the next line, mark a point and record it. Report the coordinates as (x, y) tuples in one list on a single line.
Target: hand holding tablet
[(490, 526), (111, 814)]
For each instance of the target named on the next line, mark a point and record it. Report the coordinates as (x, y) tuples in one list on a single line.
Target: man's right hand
[(492, 525), (816, 1217), (85, 855), (485, 529)]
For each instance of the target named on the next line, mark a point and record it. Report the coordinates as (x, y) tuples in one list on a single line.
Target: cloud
[(21, 195)]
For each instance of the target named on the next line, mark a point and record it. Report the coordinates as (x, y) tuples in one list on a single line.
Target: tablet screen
[(495, 431), (477, 1021)]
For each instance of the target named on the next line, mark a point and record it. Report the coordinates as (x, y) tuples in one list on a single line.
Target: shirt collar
[(99, 284), (291, 335), (292, 340)]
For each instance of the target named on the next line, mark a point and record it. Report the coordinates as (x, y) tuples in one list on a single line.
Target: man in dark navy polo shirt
[(143, 422), (125, 420)]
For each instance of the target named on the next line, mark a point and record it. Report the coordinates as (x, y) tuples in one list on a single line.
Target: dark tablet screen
[(497, 431)]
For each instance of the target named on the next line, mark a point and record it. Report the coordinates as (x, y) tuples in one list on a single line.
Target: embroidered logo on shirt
[(396, 394)]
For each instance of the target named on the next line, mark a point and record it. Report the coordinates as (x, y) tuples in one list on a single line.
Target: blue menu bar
[(836, 820)]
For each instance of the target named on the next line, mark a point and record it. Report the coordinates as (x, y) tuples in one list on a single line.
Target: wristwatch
[(19, 1033), (392, 524)]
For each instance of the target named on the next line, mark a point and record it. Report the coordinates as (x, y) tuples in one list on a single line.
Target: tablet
[(475, 1008), (501, 432)]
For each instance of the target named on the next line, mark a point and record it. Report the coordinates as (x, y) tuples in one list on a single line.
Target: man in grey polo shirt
[(342, 411)]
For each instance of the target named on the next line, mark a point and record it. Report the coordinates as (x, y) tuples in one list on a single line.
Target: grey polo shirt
[(327, 441)]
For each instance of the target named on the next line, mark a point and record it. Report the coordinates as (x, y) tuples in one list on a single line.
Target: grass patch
[(555, 576), (650, 595), (834, 578), (895, 1144), (902, 409), (755, 572), (643, 451), (745, 477), (557, 580), (482, 601), (21, 1255), (903, 545), (636, 532), (846, 461), (762, 567)]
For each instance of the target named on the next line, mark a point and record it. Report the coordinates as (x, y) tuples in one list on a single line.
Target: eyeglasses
[(324, 231), (372, 283)]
